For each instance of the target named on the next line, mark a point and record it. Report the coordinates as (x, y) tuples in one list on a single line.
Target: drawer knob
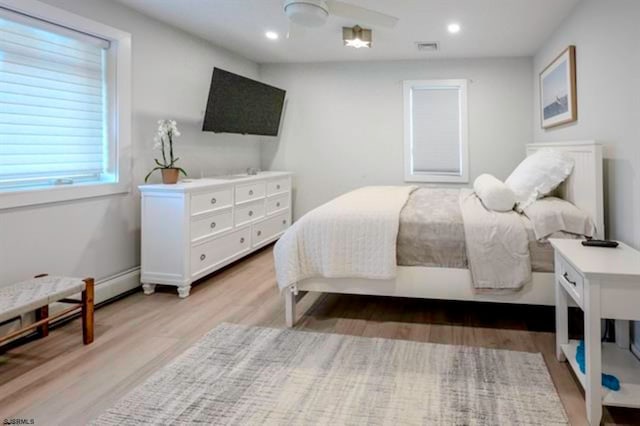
[(250, 212), (213, 225), (203, 256), (566, 277), (259, 233), (241, 240), (251, 192), (278, 204), (284, 221), (213, 201), (277, 186)]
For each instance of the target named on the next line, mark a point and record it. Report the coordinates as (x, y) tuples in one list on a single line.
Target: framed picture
[(558, 103)]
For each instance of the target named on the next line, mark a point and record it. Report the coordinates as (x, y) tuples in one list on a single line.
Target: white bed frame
[(583, 188)]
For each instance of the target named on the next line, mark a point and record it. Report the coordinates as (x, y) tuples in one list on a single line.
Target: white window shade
[(436, 130), (436, 148), (53, 105)]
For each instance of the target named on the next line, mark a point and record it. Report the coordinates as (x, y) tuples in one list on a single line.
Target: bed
[(441, 273)]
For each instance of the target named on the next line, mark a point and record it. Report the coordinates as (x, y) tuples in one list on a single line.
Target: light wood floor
[(57, 380)]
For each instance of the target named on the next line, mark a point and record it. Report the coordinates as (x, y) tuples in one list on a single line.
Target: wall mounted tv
[(240, 105)]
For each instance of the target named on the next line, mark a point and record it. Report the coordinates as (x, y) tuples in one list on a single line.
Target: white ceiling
[(490, 28)]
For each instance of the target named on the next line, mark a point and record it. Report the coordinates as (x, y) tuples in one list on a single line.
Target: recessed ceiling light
[(271, 35), (454, 28)]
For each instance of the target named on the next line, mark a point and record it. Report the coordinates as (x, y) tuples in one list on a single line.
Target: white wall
[(171, 76), (343, 123), (607, 36)]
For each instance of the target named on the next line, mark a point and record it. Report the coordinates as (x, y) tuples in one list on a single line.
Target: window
[(435, 131), (60, 112)]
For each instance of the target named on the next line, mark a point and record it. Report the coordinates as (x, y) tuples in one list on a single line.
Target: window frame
[(119, 109), (434, 177)]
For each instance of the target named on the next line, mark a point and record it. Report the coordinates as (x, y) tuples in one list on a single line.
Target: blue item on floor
[(608, 381)]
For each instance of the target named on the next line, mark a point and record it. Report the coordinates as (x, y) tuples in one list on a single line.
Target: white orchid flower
[(163, 141)]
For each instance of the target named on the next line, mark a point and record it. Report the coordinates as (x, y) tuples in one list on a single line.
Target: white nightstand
[(604, 283)]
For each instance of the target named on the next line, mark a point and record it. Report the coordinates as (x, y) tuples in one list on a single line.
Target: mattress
[(431, 233)]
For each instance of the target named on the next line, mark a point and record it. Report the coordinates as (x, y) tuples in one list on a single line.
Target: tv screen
[(240, 105)]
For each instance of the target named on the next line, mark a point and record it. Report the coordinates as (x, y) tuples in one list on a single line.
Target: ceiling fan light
[(306, 13), (356, 37)]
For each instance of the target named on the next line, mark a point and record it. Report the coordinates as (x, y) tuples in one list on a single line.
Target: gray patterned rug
[(250, 375)]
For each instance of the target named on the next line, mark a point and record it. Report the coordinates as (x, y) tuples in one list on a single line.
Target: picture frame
[(558, 90)]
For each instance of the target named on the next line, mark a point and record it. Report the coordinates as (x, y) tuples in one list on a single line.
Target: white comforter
[(497, 245), (353, 235)]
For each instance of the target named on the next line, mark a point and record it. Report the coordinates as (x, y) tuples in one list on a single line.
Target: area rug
[(253, 376)]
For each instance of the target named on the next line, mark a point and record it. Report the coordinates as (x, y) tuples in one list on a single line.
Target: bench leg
[(42, 313), (87, 311)]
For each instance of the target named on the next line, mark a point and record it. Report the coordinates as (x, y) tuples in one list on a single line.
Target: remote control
[(600, 243)]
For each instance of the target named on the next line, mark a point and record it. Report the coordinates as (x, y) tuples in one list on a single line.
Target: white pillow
[(550, 214), (538, 175), (495, 195)]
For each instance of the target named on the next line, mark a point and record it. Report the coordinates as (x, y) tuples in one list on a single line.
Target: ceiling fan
[(314, 13)]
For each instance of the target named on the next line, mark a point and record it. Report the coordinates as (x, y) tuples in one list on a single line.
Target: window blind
[(53, 103), (436, 130)]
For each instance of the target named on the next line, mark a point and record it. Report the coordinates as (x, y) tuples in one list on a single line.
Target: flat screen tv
[(240, 105)]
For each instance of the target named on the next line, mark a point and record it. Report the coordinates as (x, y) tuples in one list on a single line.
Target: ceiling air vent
[(427, 46)]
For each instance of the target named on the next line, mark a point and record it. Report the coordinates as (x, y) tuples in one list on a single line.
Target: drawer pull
[(213, 200), (250, 212), (213, 225), (203, 256), (566, 277), (259, 233), (241, 240), (251, 192), (278, 204), (277, 186), (284, 221)]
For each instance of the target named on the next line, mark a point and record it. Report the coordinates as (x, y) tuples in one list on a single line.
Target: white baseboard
[(105, 289)]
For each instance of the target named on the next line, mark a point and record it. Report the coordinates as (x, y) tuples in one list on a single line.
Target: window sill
[(57, 194), (436, 178)]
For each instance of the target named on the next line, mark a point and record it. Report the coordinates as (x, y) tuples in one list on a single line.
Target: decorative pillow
[(552, 214), (538, 175), (495, 195)]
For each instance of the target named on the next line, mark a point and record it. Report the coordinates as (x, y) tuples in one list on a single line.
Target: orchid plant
[(163, 141)]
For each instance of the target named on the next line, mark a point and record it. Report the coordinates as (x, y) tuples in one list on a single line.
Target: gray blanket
[(432, 233)]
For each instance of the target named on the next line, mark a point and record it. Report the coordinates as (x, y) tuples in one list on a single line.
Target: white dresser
[(195, 227)]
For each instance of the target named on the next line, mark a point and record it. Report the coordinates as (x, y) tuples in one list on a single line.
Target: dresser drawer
[(248, 192), (269, 228), (211, 224), (277, 203), (208, 255), (249, 212), (211, 200), (277, 186), (570, 279)]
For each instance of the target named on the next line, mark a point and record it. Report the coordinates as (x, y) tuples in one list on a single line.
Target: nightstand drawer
[(571, 280)]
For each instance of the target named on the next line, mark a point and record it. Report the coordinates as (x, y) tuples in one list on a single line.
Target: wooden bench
[(37, 293)]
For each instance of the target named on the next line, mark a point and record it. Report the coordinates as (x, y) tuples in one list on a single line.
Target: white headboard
[(584, 188)]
